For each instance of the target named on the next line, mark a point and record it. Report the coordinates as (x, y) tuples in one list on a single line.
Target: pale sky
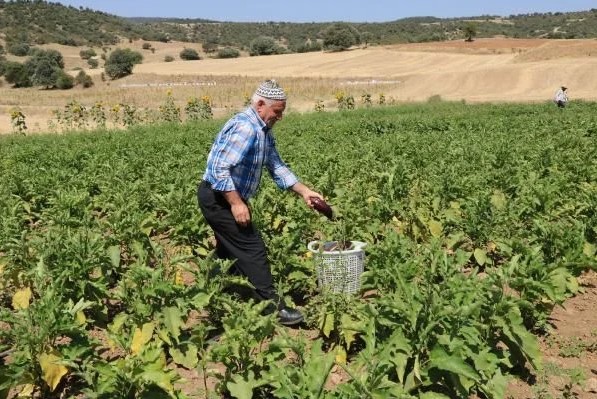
[(325, 10)]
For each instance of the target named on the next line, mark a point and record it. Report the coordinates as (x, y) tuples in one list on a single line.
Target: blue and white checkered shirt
[(240, 151)]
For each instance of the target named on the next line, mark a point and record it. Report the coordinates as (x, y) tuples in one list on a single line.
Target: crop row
[(478, 218)]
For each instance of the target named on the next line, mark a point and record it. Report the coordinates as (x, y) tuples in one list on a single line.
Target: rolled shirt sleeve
[(280, 172)]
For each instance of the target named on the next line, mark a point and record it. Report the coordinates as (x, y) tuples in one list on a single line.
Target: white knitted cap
[(272, 90)]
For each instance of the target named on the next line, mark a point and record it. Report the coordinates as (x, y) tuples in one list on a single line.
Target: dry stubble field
[(486, 70)]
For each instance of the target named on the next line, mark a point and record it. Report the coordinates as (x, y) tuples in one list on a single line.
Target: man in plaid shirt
[(241, 150)]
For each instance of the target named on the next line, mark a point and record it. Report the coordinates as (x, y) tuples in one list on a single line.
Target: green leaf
[(441, 360), (480, 256), (496, 387), (114, 253), (188, 359), (454, 240), (202, 251), (528, 342), (435, 228), (173, 321), (498, 200), (433, 395), (399, 351), (589, 249), (147, 225), (159, 378), (201, 300), (164, 336), (328, 324), (486, 361), (242, 388)]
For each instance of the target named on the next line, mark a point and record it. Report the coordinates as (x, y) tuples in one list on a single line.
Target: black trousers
[(243, 244)]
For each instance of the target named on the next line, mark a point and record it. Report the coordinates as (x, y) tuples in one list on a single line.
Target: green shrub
[(263, 45), (189, 54), (93, 63), (2, 62), (16, 74), (120, 63), (210, 45), (87, 54), (44, 71), (168, 58), (64, 81), (340, 37), (434, 99), (83, 79), (54, 55), (146, 46), (307, 47), (67, 41), (19, 49), (228, 52)]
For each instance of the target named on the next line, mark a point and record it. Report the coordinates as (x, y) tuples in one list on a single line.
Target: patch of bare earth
[(569, 351)]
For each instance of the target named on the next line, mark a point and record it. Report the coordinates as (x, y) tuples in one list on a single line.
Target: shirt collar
[(255, 116)]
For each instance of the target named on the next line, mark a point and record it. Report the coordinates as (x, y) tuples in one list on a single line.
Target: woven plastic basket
[(339, 270)]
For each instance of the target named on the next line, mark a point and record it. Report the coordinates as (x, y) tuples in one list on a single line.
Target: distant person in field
[(561, 97), (241, 150)]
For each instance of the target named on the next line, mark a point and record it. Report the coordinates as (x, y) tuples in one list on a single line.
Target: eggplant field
[(478, 219)]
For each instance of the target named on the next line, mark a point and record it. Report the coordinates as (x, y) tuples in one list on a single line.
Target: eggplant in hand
[(322, 207)]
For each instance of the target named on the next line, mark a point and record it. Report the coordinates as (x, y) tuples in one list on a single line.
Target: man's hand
[(238, 207), (241, 214), (306, 193)]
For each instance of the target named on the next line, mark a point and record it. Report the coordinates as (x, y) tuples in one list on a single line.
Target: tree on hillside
[(470, 31), (16, 74), (120, 63), (263, 45), (210, 44), (45, 71), (43, 68), (366, 38), (54, 55), (2, 62), (340, 36)]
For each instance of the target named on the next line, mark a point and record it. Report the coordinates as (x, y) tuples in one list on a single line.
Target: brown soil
[(569, 351)]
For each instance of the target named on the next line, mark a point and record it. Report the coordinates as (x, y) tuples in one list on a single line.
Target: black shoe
[(289, 317)]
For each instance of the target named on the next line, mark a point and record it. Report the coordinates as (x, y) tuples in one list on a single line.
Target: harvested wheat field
[(485, 70)]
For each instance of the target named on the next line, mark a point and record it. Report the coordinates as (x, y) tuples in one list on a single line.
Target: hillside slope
[(506, 76)]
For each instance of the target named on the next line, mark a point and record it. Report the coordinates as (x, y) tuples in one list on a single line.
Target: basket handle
[(313, 246), (358, 245)]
